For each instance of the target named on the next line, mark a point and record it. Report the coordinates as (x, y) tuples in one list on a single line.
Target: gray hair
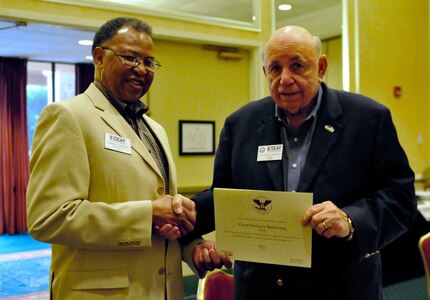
[(318, 45)]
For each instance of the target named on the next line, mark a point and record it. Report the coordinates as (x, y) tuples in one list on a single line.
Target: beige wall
[(194, 84), (333, 49), (393, 50)]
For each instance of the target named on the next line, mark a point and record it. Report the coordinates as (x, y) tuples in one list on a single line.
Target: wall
[(194, 84), (393, 50), (333, 49)]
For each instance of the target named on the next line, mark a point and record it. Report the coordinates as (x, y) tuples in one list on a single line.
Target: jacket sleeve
[(390, 208)]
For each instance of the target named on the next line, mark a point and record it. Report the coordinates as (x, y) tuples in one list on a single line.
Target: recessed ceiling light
[(285, 7), (85, 42)]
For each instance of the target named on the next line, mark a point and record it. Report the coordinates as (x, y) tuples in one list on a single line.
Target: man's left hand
[(327, 220), (207, 258)]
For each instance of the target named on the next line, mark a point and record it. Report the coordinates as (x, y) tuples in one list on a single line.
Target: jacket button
[(279, 282), (160, 190), (161, 271)]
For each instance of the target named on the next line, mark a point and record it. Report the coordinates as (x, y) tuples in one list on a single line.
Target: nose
[(286, 77), (141, 69)]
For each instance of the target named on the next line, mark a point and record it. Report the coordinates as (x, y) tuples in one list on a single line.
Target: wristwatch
[(351, 230)]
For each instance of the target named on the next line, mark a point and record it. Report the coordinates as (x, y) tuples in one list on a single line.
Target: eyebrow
[(134, 53), (297, 58)]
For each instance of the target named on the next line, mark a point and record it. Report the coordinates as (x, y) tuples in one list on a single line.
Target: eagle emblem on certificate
[(262, 204)]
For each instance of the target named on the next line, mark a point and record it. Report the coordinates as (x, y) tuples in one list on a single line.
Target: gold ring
[(325, 225)]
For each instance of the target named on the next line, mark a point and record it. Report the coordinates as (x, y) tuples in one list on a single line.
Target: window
[(46, 83)]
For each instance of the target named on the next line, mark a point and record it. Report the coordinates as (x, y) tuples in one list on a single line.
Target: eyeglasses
[(150, 63)]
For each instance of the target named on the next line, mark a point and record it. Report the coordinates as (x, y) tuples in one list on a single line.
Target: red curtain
[(14, 167), (84, 76)]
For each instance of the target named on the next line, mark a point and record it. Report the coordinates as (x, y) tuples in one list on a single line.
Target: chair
[(424, 245), (426, 178), (216, 285)]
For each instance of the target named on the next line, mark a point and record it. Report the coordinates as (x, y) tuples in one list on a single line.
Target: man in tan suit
[(101, 181)]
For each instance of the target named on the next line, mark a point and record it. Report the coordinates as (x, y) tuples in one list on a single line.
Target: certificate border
[(195, 124)]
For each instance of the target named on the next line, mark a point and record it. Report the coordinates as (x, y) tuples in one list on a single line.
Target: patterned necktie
[(137, 109)]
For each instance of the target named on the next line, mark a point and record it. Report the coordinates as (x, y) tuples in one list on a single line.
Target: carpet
[(24, 273), (413, 289), (24, 268), (19, 243)]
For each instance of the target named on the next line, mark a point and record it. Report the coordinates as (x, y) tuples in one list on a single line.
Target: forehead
[(290, 47), (129, 34), (128, 38)]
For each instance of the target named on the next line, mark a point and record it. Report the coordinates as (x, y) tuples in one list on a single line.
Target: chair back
[(424, 246), (216, 285)]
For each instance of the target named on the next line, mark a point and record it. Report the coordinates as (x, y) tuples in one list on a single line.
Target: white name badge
[(117, 143), (270, 152)]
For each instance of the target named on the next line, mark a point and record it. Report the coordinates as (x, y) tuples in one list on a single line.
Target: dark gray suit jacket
[(360, 166)]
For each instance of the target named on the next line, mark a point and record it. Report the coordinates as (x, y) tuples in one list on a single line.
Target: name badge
[(270, 152), (117, 143)]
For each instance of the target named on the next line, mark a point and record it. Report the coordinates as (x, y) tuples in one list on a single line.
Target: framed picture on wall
[(196, 137)]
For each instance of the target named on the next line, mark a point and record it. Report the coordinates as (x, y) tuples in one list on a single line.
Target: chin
[(288, 107)]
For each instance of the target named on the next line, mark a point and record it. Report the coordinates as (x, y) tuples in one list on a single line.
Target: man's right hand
[(173, 217)]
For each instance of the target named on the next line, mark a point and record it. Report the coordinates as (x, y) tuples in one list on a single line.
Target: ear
[(264, 70), (322, 67), (98, 56)]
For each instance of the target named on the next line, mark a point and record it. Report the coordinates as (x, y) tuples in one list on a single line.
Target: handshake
[(174, 217)]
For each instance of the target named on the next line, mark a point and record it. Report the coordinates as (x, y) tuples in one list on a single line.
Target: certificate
[(263, 226)]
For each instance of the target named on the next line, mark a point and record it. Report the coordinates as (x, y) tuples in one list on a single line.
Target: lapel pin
[(329, 128)]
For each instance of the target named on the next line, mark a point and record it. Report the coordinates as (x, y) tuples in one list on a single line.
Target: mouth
[(288, 94), (136, 83)]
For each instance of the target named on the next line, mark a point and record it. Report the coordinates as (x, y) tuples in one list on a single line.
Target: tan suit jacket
[(95, 205)]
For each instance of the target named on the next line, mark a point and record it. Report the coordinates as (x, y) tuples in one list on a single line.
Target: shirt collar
[(135, 109)]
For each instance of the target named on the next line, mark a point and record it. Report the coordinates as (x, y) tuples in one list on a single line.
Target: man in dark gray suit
[(343, 148)]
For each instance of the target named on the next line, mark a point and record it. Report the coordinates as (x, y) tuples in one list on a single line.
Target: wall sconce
[(224, 52), (230, 55)]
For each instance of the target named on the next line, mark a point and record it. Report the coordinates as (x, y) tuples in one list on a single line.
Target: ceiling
[(47, 42)]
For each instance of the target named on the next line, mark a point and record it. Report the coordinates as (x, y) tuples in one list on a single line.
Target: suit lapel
[(326, 133), (269, 134), (114, 120)]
